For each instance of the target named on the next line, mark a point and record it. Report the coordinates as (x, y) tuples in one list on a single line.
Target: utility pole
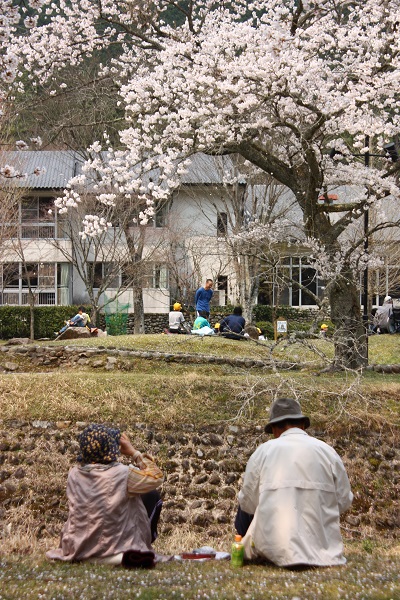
[(365, 278)]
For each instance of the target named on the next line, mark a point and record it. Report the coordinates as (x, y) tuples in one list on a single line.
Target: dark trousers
[(153, 504), (242, 521)]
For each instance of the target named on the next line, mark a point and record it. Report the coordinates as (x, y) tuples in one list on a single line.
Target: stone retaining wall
[(203, 468), (157, 322), (109, 358), (112, 358), (202, 465)]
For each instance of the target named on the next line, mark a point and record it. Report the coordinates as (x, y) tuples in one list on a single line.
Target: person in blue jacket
[(203, 297)]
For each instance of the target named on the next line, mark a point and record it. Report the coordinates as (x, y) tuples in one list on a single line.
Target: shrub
[(267, 328), (15, 320)]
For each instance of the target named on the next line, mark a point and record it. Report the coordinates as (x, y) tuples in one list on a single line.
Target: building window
[(156, 276), (19, 280), (47, 275), (95, 273), (222, 223), (160, 217), (105, 274), (297, 282), (36, 220), (10, 275), (131, 216), (30, 275), (126, 275), (383, 282)]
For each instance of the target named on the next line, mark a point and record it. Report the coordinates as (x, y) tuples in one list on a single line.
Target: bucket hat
[(285, 408)]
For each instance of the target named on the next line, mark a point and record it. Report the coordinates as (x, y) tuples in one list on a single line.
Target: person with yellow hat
[(324, 329), (176, 319)]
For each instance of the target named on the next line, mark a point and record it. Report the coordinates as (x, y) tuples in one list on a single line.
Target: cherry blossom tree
[(279, 83)]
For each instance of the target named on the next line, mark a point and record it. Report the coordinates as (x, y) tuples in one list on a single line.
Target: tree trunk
[(138, 309), (248, 279), (32, 323), (351, 349), (31, 298), (248, 296), (93, 314)]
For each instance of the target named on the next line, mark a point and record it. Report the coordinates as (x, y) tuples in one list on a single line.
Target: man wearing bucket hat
[(294, 490)]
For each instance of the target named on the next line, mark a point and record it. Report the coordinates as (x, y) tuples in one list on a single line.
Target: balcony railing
[(37, 231), (41, 298)]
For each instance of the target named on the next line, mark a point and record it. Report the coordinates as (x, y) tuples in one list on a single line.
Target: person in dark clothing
[(232, 326)]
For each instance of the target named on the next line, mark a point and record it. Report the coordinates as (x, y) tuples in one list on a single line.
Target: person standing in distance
[(203, 297), (294, 490)]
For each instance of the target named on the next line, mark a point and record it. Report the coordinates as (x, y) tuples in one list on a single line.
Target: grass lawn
[(383, 349), (371, 573)]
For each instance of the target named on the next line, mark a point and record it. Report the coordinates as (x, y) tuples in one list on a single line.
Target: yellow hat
[(217, 326), (324, 326), (177, 306), (259, 330)]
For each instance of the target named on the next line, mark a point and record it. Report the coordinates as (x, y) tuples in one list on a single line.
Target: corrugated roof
[(205, 169), (57, 167)]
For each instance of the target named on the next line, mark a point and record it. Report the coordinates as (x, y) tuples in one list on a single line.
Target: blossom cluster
[(278, 83), (70, 199), (93, 225)]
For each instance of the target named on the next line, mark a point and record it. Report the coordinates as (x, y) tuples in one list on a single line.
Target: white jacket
[(296, 486)]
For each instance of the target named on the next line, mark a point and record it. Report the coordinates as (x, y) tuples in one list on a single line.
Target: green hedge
[(299, 320), (15, 320), (264, 312)]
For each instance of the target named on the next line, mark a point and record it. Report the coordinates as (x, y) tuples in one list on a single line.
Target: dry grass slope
[(42, 411)]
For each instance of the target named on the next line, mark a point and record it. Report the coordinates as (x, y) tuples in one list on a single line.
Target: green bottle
[(237, 553)]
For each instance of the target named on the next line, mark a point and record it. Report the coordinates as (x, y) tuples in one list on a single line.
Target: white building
[(34, 243), (186, 241)]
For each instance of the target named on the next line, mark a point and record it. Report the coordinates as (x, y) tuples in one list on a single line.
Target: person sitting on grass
[(232, 326), (201, 325), (113, 508), (176, 319), (294, 490), (384, 319)]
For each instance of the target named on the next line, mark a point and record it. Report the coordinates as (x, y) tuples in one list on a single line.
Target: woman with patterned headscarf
[(113, 508)]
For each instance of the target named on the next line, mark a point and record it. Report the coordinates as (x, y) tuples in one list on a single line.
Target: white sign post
[(280, 327)]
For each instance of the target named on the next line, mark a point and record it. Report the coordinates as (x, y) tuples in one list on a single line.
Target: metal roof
[(206, 169), (58, 166)]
